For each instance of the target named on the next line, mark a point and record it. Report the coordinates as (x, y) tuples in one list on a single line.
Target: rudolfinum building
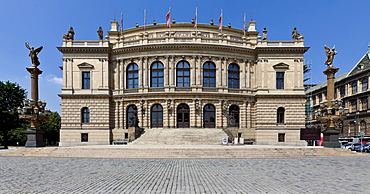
[(158, 78)]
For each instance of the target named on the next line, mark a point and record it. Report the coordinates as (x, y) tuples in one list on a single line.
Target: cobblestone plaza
[(87, 175)]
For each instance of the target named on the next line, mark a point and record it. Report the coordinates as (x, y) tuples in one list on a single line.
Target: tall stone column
[(35, 136), (331, 134)]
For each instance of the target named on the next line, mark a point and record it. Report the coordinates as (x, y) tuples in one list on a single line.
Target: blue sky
[(342, 23)]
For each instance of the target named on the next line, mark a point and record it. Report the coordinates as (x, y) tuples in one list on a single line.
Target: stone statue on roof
[(264, 34), (70, 34), (296, 35), (100, 33)]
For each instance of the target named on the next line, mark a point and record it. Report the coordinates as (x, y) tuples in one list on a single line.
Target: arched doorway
[(183, 116), (209, 116), (131, 116), (156, 116), (233, 116)]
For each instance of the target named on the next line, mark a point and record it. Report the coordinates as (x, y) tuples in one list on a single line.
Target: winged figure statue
[(330, 52), (33, 54)]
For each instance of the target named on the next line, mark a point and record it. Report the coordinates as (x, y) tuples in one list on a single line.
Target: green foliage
[(11, 97), (17, 136), (51, 128)]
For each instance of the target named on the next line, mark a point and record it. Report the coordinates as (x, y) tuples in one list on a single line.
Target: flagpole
[(144, 20), (169, 10), (196, 20), (245, 23)]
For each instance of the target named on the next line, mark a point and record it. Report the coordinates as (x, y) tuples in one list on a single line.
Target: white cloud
[(54, 79)]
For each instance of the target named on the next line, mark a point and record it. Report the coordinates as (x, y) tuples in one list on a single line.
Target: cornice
[(84, 49), (271, 50)]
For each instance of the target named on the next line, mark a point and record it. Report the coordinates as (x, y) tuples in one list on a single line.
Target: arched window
[(183, 74), (233, 76), (85, 115), (209, 74), (132, 76), (156, 116), (131, 116), (157, 74), (209, 116), (280, 115)]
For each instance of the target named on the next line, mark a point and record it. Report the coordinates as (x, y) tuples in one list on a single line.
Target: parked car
[(367, 147), (347, 145), (359, 147)]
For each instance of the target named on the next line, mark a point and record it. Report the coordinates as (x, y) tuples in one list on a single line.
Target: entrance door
[(209, 114), (131, 116), (233, 116), (157, 116), (183, 116)]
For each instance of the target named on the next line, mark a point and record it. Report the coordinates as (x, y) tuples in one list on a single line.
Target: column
[(225, 72), (141, 72), (65, 77), (243, 65), (248, 74), (218, 64), (166, 72), (193, 74)]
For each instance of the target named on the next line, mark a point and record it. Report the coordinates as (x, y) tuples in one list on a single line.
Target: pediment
[(281, 66), (85, 65)]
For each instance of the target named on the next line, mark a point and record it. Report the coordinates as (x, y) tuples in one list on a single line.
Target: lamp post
[(34, 110), (331, 111)]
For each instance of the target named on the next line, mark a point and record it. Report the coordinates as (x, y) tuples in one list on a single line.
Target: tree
[(51, 128), (11, 97)]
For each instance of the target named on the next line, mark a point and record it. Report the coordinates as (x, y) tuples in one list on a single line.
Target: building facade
[(182, 77), (353, 89)]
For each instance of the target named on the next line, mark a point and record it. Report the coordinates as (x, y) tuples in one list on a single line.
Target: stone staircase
[(181, 136), (173, 151)]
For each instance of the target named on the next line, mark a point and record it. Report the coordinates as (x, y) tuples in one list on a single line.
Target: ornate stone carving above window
[(85, 65), (281, 67)]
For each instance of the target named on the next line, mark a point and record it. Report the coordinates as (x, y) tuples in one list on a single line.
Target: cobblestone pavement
[(86, 175)]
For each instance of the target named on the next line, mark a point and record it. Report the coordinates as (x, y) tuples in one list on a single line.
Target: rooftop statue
[(296, 35), (100, 33), (330, 55), (264, 34), (33, 54), (70, 34)]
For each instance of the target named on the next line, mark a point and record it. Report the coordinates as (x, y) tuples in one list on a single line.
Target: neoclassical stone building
[(182, 77)]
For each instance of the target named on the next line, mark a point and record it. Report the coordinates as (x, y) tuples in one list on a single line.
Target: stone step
[(178, 152), (181, 136)]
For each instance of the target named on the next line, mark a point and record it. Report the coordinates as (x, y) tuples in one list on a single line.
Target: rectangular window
[(353, 105), (364, 84), (364, 103), (342, 91), (354, 87), (84, 137), (281, 137), (279, 80), (85, 80)]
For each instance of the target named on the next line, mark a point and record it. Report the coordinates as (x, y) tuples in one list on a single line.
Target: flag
[(121, 22), (244, 24), (144, 19), (168, 18), (220, 22), (196, 18)]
